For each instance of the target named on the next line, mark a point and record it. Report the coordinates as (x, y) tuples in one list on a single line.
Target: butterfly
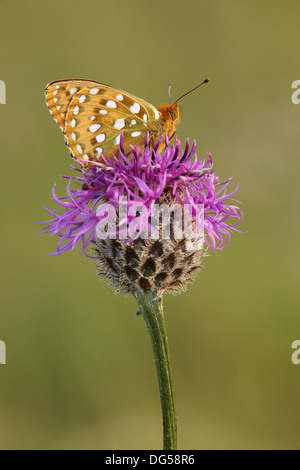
[(93, 116)]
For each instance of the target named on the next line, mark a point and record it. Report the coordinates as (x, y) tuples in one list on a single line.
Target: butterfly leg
[(174, 135), (152, 141)]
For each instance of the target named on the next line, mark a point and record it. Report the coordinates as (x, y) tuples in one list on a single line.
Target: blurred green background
[(79, 370)]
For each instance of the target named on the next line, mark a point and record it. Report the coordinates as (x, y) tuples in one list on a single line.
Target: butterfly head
[(170, 118), (171, 112)]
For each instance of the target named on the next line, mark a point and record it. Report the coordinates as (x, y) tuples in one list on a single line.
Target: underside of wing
[(96, 116), (59, 95)]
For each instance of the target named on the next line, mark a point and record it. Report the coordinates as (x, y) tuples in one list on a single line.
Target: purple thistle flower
[(141, 178)]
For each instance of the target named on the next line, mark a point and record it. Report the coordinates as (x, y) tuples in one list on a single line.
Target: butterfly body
[(171, 117), (93, 115)]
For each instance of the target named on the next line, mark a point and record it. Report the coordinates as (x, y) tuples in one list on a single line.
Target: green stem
[(152, 311)]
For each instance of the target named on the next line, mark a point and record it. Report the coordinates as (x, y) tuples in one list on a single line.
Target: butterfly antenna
[(169, 92), (205, 81)]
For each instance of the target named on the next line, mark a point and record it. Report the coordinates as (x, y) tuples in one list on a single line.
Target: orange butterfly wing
[(93, 115), (59, 95)]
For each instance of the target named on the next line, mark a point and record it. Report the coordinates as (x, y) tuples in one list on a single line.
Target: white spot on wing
[(103, 111), (85, 157), (135, 108), (58, 107), (92, 118), (94, 127), (111, 104), (76, 110), (55, 92), (57, 86), (79, 148), (119, 97), (156, 114), (135, 133), (100, 138), (99, 150), (82, 99), (145, 118), (73, 90), (120, 123), (94, 91), (117, 140), (73, 123), (73, 136), (55, 100), (133, 122)]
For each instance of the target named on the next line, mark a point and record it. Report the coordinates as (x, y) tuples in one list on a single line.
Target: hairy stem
[(151, 309)]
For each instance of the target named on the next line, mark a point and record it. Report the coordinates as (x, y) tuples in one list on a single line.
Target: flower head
[(141, 178), (115, 201)]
